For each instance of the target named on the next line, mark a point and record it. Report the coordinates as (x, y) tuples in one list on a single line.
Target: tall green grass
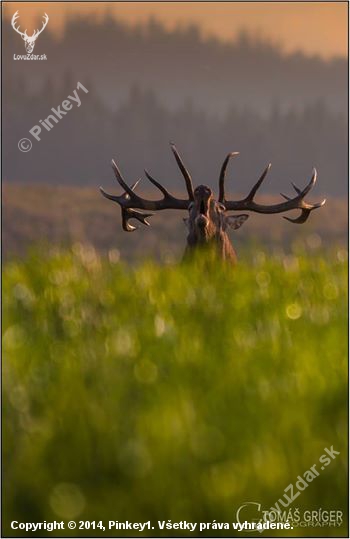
[(172, 392)]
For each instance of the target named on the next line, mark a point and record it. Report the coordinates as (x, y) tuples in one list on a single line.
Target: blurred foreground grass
[(172, 392)]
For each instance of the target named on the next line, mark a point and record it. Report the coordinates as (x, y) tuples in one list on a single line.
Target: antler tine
[(128, 213), (120, 178), (253, 191), (305, 212), (134, 185), (303, 217), (185, 173), (124, 195), (107, 195), (158, 185), (13, 24), (310, 184), (284, 196), (14, 18), (223, 175), (46, 20), (296, 188)]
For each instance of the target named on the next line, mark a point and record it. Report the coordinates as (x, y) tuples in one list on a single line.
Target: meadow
[(172, 391), (61, 215)]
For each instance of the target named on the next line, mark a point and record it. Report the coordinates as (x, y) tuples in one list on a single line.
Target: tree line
[(78, 149)]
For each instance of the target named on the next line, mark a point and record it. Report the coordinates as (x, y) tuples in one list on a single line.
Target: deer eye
[(221, 206)]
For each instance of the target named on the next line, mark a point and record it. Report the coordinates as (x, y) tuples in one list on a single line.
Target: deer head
[(207, 219), (207, 223), (29, 41)]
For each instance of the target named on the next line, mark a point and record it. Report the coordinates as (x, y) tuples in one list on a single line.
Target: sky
[(311, 27)]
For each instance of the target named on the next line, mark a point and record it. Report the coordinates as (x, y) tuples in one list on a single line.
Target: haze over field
[(65, 216)]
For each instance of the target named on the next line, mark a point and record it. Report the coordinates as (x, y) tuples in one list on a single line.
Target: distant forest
[(249, 72), (148, 86)]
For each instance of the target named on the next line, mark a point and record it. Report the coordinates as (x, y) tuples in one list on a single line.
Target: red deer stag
[(207, 220)]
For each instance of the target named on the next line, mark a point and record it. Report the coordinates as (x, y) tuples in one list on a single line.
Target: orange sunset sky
[(313, 27)]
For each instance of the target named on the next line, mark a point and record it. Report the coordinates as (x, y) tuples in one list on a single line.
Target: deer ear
[(235, 221)]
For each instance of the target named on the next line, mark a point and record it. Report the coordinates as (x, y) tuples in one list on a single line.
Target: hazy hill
[(148, 86), (180, 64)]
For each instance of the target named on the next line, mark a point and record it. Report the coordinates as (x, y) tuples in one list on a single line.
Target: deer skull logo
[(29, 41)]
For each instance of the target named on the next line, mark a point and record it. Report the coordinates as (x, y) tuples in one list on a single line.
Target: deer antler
[(248, 203), (129, 200), (186, 174), (223, 175), (13, 24), (37, 32), (24, 34)]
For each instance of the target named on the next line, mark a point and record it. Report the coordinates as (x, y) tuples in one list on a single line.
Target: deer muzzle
[(202, 200)]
